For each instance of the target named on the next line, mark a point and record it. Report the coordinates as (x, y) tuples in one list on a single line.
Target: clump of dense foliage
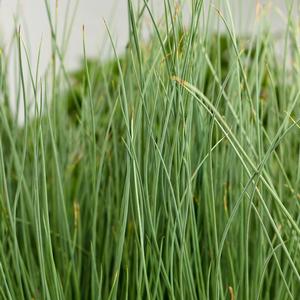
[(172, 172)]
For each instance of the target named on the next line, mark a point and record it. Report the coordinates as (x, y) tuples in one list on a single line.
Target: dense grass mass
[(170, 172)]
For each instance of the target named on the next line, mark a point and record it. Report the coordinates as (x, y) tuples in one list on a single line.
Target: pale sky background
[(32, 17)]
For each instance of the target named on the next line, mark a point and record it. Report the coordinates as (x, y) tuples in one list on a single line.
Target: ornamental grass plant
[(171, 171)]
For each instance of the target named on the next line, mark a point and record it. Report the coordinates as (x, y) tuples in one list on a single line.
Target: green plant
[(169, 173)]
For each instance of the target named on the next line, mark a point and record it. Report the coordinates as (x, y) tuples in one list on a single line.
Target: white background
[(31, 16), (35, 26)]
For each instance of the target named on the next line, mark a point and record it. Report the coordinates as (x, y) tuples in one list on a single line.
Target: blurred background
[(31, 15), (70, 16)]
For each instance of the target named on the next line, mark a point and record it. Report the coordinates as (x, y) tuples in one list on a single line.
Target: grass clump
[(170, 172)]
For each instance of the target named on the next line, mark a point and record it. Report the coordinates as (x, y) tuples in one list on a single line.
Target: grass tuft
[(171, 171)]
